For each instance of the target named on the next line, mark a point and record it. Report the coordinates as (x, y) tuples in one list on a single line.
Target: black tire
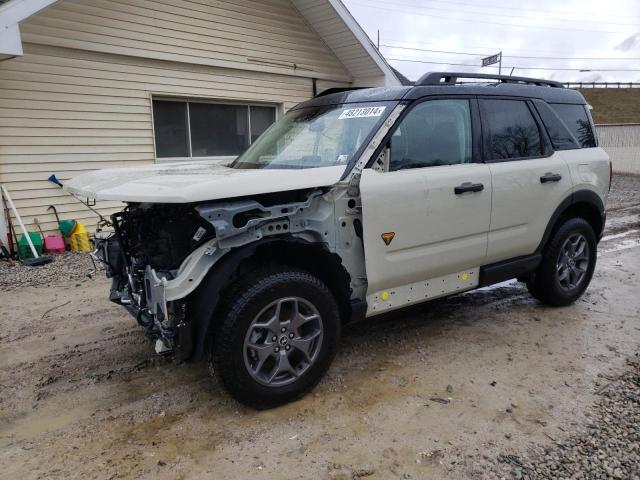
[(253, 294), (544, 284)]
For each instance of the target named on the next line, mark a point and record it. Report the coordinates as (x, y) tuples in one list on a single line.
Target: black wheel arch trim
[(204, 301), (581, 196)]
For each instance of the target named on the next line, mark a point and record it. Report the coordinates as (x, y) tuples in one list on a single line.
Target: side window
[(435, 132), (561, 137), (576, 118), (511, 132)]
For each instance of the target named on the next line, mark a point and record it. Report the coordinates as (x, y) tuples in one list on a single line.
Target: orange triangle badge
[(388, 237)]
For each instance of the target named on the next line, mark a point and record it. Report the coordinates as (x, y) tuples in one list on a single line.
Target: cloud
[(558, 39), (630, 44)]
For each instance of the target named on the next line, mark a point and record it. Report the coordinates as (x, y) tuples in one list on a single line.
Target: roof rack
[(436, 78)]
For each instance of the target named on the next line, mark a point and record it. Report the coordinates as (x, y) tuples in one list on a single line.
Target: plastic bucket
[(24, 251), (66, 227), (54, 244), (79, 239)]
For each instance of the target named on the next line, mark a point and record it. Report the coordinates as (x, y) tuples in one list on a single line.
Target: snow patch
[(618, 235)]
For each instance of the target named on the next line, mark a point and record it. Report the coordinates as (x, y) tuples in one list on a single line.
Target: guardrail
[(601, 84)]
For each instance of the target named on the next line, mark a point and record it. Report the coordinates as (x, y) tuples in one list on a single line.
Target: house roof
[(329, 18), (404, 81)]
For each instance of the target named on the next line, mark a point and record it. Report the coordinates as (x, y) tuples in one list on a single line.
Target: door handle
[(468, 187), (550, 177)]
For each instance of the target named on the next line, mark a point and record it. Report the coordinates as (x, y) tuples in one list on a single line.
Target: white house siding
[(259, 35), (80, 97), (622, 143)]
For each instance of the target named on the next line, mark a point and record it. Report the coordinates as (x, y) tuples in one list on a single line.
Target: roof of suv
[(551, 92)]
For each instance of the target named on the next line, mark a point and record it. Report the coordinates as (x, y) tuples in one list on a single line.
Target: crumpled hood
[(188, 182)]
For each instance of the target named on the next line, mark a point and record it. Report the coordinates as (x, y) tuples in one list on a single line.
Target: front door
[(426, 215)]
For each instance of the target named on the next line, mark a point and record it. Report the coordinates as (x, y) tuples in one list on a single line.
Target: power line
[(506, 56), (504, 15), (502, 7), (544, 27), (474, 47), (517, 67)]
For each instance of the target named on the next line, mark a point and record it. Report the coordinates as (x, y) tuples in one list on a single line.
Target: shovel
[(37, 260), (65, 226)]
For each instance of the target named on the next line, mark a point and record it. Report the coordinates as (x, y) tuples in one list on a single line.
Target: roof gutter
[(391, 80), (11, 14)]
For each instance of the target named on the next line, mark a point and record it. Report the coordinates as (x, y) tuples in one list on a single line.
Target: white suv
[(355, 203)]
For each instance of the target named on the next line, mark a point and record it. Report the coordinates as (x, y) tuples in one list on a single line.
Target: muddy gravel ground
[(487, 384)]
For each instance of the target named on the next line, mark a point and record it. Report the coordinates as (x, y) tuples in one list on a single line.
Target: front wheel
[(567, 264), (278, 337)]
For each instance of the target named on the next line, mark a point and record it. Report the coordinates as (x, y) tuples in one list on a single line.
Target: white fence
[(622, 143)]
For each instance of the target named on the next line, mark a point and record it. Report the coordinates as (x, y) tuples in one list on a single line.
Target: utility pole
[(378, 45), (500, 64)]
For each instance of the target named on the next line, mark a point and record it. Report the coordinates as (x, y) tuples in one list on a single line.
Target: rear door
[(427, 214), (529, 179), (588, 163)]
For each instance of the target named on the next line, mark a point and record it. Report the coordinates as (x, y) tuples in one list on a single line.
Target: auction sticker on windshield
[(361, 112)]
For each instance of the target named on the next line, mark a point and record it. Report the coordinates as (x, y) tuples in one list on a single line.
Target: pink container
[(54, 244)]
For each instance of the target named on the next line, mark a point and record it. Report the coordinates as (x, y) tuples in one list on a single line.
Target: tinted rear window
[(576, 119), (511, 131), (561, 138)]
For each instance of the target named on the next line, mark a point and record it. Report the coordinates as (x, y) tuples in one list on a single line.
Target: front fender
[(205, 299)]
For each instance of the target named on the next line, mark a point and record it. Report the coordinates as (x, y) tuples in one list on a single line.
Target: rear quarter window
[(560, 136), (576, 119)]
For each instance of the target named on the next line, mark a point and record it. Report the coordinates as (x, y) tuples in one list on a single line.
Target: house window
[(192, 129)]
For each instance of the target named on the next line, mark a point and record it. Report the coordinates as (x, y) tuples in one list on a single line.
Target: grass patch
[(613, 105)]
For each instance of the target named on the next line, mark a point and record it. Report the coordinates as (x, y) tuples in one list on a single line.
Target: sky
[(599, 37)]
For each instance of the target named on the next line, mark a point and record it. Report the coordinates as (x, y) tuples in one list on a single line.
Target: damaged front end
[(159, 254), (149, 244)]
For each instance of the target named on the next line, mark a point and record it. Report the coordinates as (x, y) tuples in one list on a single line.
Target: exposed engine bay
[(158, 254), (162, 235)]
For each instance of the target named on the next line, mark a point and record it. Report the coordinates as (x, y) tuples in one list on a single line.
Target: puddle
[(38, 423)]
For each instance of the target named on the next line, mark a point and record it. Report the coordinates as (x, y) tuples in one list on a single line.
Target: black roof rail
[(435, 78)]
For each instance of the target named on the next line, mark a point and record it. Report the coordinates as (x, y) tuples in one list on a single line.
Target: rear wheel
[(567, 264), (277, 338)]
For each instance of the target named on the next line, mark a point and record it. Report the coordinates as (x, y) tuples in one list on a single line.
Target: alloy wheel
[(573, 262), (283, 341)]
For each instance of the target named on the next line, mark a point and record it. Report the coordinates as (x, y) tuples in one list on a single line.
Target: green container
[(24, 251), (66, 227)]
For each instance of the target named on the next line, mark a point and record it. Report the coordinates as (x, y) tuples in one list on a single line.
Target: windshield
[(315, 137)]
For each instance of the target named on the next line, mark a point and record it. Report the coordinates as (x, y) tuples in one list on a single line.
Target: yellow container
[(79, 239)]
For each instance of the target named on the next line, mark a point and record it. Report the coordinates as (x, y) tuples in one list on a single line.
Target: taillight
[(610, 174)]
